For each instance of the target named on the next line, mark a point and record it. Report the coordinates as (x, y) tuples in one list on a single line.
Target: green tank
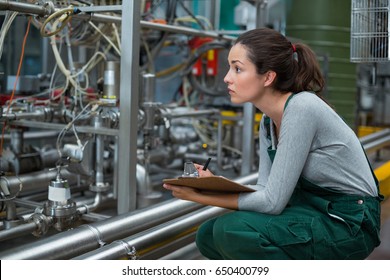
[(324, 25)]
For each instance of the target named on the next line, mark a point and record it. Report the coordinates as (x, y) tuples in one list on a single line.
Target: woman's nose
[(226, 79)]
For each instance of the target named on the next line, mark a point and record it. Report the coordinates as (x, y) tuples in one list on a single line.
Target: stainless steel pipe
[(152, 237), (374, 136), (194, 113), (44, 11), (85, 238), (34, 181), (24, 8), (17, 231), (376, 141)]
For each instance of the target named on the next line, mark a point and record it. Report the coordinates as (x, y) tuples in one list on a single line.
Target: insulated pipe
[(171, 230), (89, 237)]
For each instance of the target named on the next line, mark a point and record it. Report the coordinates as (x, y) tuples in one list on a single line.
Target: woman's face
[(244, 84)]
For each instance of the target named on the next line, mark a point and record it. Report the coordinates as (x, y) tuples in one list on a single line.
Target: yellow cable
[(64, 16)]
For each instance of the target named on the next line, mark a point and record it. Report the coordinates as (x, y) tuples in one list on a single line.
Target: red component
[(211, 56), (212, 61)]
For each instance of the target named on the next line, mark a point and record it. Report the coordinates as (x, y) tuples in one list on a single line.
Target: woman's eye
[(238, 70)]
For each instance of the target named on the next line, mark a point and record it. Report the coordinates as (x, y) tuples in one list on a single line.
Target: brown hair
[(296, 66)]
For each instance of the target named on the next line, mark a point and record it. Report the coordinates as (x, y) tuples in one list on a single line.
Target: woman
[(316, 196)]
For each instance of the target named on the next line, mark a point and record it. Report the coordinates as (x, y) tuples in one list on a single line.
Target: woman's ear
[(270, 77)]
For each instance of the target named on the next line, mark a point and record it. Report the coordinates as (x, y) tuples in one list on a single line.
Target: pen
[(206, 164)]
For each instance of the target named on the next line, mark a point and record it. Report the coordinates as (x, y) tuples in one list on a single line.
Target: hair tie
[(294, 48)]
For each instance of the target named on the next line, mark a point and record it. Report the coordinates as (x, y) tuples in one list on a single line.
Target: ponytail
[(308, 76), (296, 66)]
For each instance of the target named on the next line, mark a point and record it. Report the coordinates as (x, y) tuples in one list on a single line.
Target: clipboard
[(212, 183)]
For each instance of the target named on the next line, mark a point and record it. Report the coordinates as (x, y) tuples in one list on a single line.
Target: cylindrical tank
[(111, 80), (324, 25)]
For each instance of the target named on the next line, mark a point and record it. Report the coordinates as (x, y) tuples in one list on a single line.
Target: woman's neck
[(273, 106)]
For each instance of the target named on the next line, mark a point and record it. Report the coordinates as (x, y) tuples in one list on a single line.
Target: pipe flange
[(59, 210), (100, 187), (42, 223)]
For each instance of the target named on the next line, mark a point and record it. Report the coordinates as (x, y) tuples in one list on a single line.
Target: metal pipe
[(188, 252), (129, 95), (377, 144), (248, 142), (44, 11), (31, 135), (34, 181), (24, 8), (28, 203), (153, 237), (374, 136), (85, 238), (24, 115), (11, 210), (17, 231), (99, 155), (193, 113), (57, 126), (184, 30)]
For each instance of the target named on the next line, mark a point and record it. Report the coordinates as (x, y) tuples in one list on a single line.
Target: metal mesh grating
[(369, 31)]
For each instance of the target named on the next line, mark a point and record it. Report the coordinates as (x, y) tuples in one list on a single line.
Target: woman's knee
[(205, 241)]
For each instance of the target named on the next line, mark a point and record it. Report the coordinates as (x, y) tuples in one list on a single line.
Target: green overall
[(317, 223)]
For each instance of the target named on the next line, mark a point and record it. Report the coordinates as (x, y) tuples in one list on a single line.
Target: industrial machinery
[(131, 90), (126, 92)]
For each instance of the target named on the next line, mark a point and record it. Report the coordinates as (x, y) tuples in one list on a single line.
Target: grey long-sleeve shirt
[(315, 142)]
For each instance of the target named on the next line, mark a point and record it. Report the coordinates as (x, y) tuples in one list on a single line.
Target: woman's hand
[(185, 193), (225, 200), (203, 173)]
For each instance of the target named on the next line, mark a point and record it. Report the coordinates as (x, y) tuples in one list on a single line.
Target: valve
[(60, 206)]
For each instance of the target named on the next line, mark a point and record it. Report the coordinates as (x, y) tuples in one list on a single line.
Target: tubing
[(199, 113), (375, 136), (24, 8), (85, 238), (34, 181), (43, 11), (161, 233), (17, 231), (152, 237)]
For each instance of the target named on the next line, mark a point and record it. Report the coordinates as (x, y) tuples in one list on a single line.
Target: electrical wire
[(16, 82), (118, 38), (70, 125), (9, 18), (62, 16), (192, 15), (105, 37)]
